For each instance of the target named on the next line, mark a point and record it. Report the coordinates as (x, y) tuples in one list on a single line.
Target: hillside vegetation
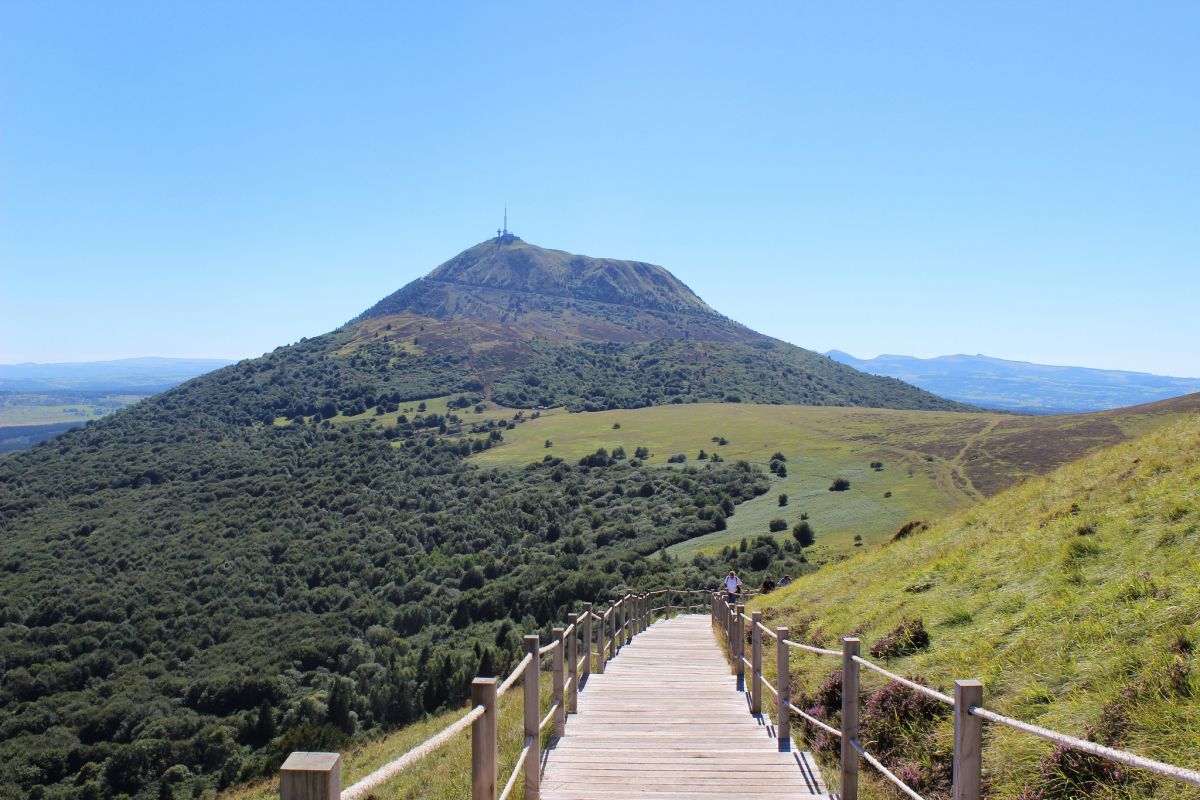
[(1075, 598), (926, 463)]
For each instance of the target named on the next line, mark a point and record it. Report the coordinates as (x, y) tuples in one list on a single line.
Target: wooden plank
[(665, 721)]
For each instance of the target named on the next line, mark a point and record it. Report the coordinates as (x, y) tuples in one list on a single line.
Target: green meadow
[(934, 462), (820, 444)]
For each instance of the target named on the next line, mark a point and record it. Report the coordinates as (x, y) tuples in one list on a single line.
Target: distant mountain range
[(1021, 386), (135, 375)]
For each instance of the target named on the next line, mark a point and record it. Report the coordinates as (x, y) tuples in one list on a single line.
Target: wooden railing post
[(532, 681), (311, 776), (729, 610), (483, 740), (573, 664), (756, 661), (739, 652), (613, 626), (968, 741), (558, 682), (630, 617), (850, 648), (783, 683), (587, 639)]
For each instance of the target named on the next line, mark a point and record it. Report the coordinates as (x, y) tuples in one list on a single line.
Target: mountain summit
[(541, 327), (560, 295)]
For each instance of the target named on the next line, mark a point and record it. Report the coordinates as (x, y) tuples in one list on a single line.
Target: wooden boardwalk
[(665, 722)]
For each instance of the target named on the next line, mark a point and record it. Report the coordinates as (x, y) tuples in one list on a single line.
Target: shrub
[(894, 714), (777, 525), (905, 639), (678, 458), (803, 534), (839, 485), (783, 500)]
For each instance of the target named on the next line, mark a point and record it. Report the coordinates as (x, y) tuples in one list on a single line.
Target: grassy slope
[(935, 462), (1059, 595)]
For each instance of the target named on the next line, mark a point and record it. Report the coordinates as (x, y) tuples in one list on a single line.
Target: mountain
[(1021, 386), (294, 549), (538, 327), (1072, 597), (125, 375)]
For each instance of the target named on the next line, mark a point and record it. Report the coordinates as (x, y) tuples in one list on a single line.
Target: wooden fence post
[(616, 614), (532, 680), (311, 776), (587, 640), (739, 652), (783, 682), (968, 741), (558, 682), (629, 615), (850, 648), (483, 740), (756, 660), (573, 664)]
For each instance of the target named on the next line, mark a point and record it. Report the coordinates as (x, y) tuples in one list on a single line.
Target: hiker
[(733, 586), (786, 580), (768, 585)]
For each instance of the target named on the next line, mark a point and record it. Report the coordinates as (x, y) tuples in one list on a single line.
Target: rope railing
[(619, 623), (546, 720), (808, 648), (513, 677), (916, 687), (517, 770), (887, 773), (813, 720), (394, 768), (1112, 754), (966, 704)]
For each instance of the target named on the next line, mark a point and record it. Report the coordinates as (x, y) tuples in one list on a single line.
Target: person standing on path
[(733, 586)]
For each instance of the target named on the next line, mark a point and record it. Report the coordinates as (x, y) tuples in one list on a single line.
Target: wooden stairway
[(665, 722)]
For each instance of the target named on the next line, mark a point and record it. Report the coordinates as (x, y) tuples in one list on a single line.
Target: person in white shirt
[(733, 586)]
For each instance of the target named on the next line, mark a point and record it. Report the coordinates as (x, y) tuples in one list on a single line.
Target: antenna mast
[(506, 219)]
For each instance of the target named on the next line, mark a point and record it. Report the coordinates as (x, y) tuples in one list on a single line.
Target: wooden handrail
[(967, 703), (317, 776)]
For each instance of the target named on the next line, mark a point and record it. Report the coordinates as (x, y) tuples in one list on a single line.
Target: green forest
[(203, 590)]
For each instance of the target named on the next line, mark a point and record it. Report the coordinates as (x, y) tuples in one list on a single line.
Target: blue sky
[(216, 179)]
